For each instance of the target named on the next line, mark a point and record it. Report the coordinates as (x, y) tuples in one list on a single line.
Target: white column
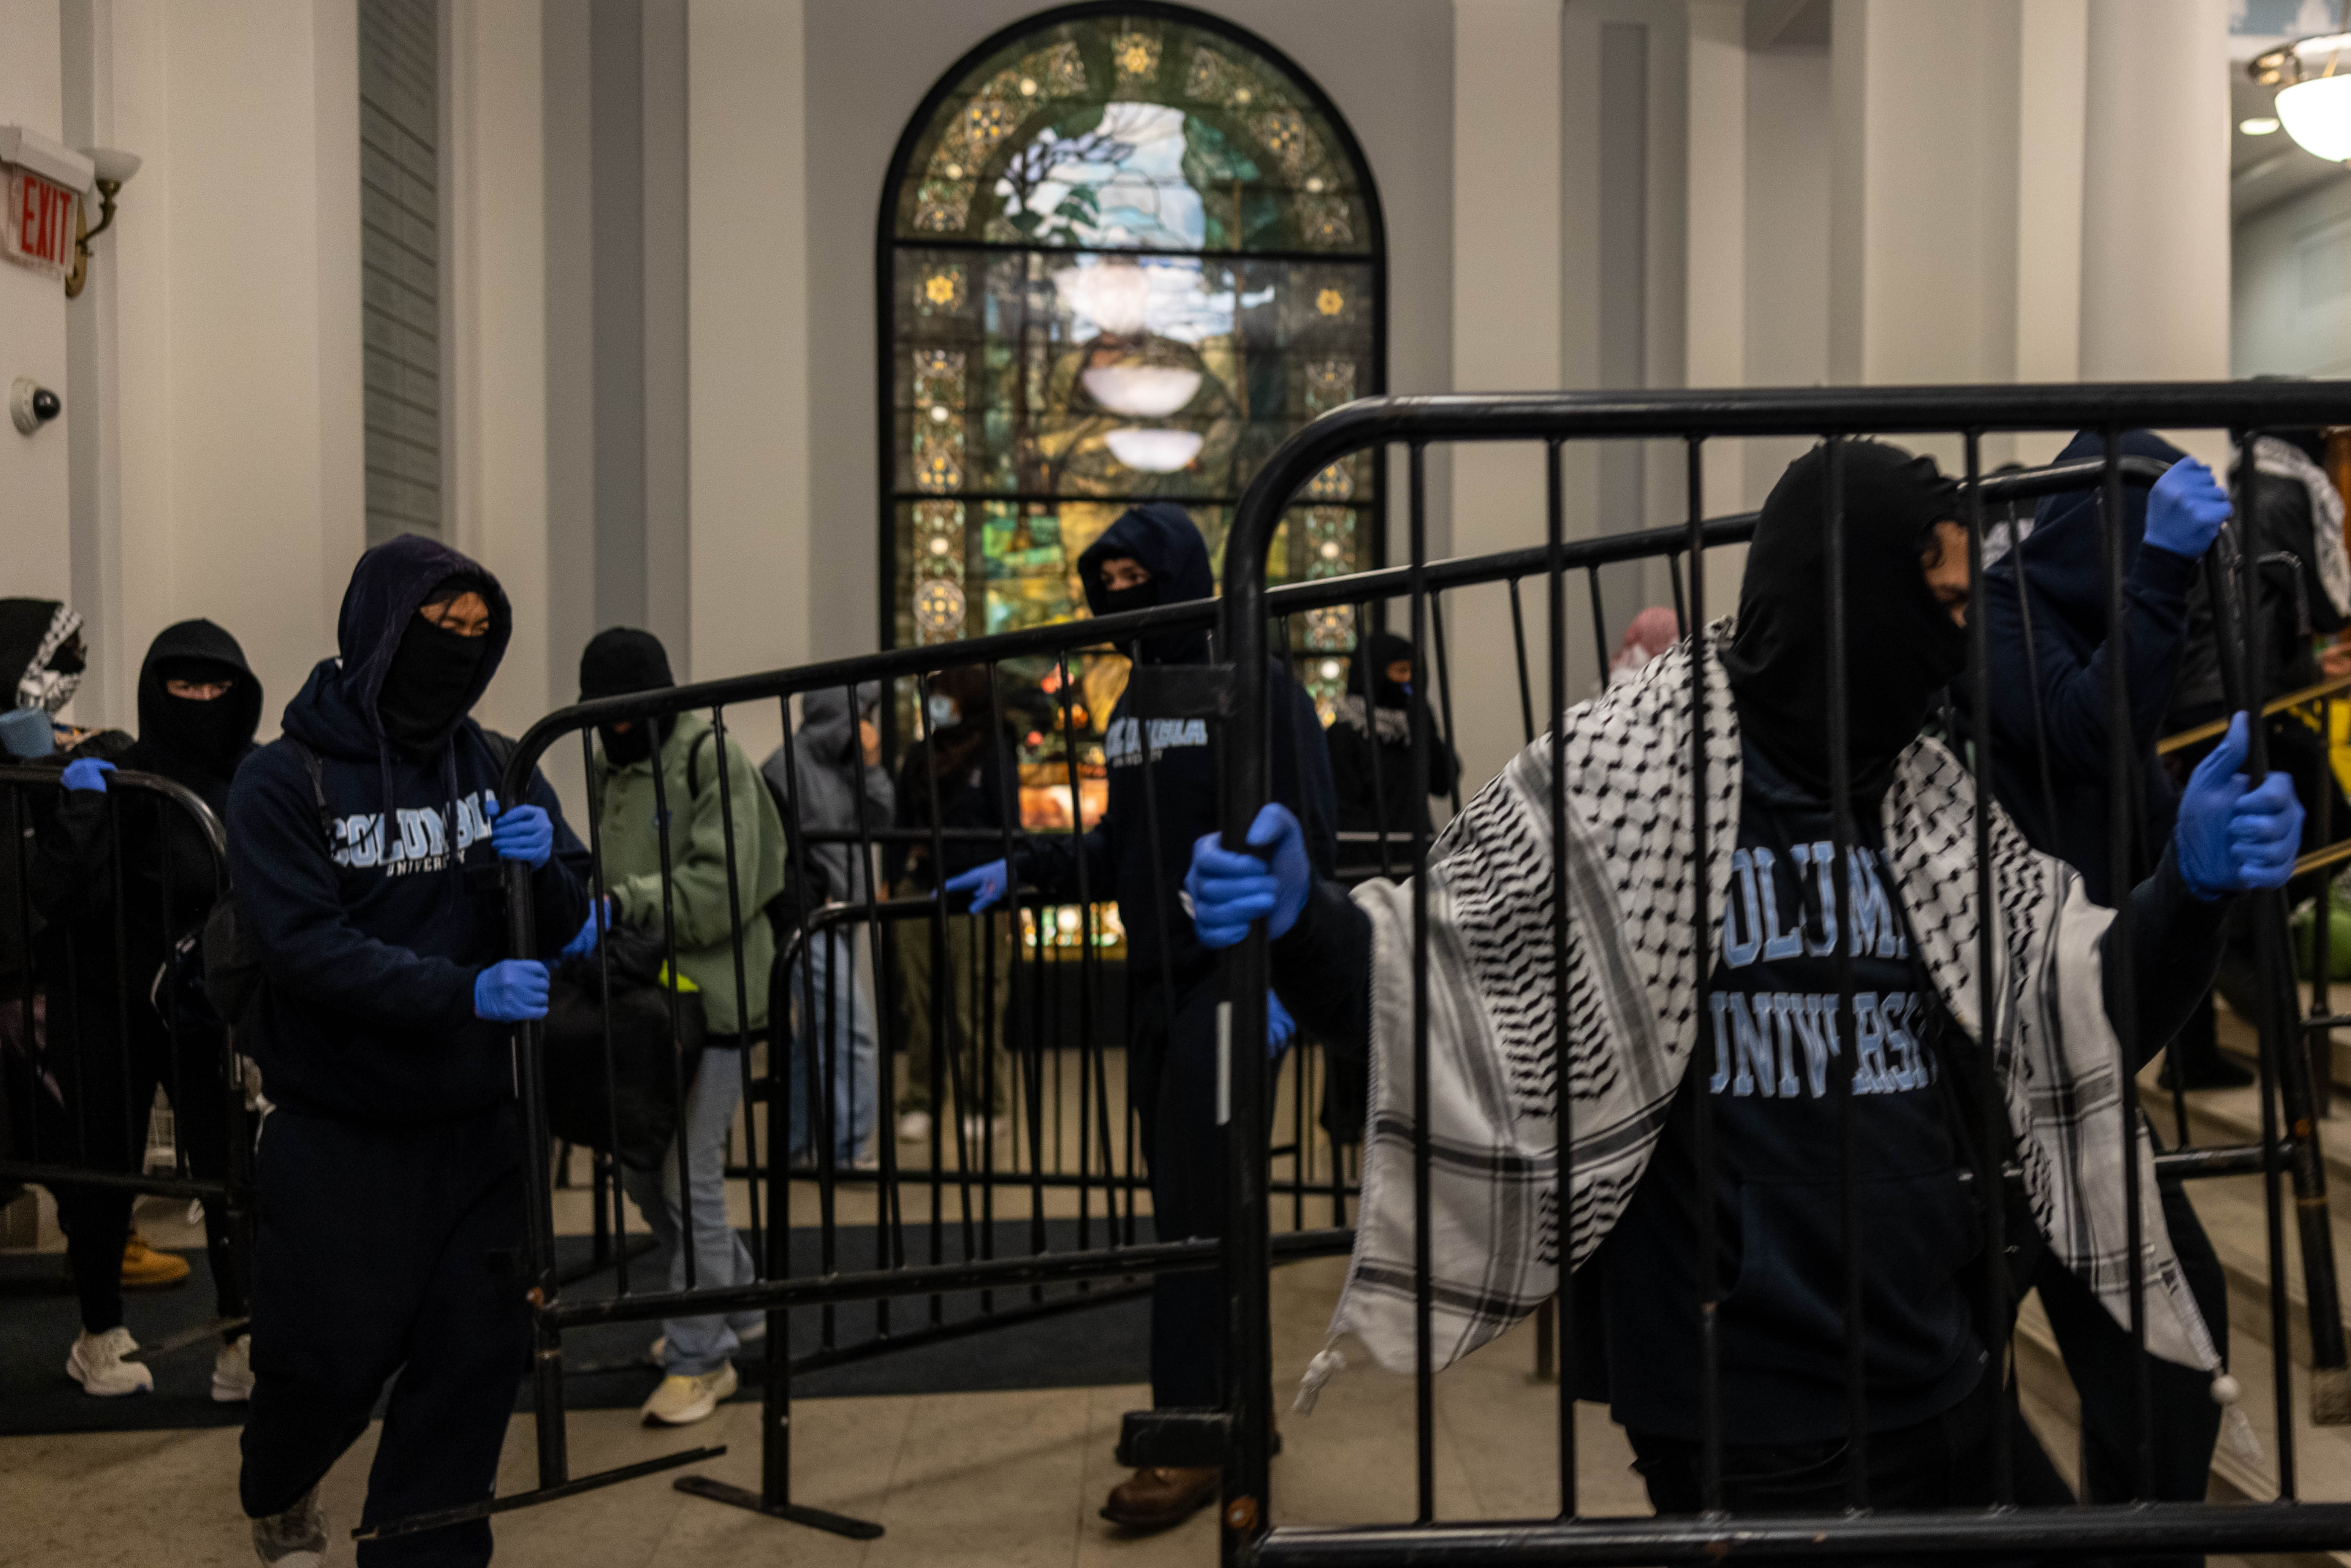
[(497, 391), (239, 274), (1714, 268), (1506, 338), (2155, 197), (752, 582)]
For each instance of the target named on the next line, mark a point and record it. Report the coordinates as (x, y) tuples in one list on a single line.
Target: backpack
[(638, 1098)]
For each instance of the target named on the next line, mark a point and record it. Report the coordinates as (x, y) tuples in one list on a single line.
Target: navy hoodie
[(371, 947), (2064, 565), (1124, 860)]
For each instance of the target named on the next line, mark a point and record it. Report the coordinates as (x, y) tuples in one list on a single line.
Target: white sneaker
[(681, 1401), (233, 1372), (294, 1539), (96, 1363), (915, 1127)]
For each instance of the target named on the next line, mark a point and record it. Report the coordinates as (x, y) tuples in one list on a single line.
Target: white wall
[(33, 469), (239, 290), (2291, 287)]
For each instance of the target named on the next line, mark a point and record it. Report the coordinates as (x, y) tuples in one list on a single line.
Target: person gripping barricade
[(697, 1353), (2044, 603), (1772, 1003), (134, 1016), (836, 754), (366, 849), (1163, 794)]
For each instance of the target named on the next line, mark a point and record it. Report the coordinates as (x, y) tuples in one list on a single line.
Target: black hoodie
[(198, 744), (372, 947), (1371, 756), (1124, 859)]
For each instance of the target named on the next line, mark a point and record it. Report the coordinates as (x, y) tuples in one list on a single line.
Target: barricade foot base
[(814, 1518)]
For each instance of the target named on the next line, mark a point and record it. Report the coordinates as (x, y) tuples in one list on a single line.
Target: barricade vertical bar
[(1088, 1061), (1702, 945), (135, 1116), (20, 838), (776, 1259), (1526, 681), (1423, 1302), (886, 1208), (605, 981), (2122, 843), (942, 986), (1025, 1062), (671, 982), (1598, 628), (1562, 1064), (725, 767), (1837, 914), (1444, 709), (1991, 1120), (538, 1198), (1166, 909), (2321, 955), (1363, 656)]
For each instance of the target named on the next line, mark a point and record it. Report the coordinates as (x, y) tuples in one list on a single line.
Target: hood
[(1161, 536), (40, 651), (335, 712), (828, 732), (197, 743), (1901, 645), (2062, 552), (1384, 648)]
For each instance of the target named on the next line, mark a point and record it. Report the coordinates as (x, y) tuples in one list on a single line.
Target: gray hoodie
[(830, 762)]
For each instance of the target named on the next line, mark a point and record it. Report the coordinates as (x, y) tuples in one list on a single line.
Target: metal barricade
[(89, 1031), (1251, 1530)]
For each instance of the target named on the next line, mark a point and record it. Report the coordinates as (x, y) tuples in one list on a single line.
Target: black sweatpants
[(1944, 1462), (383, 1251), (102, 1126), (2183, 1418), (1172, 1073)]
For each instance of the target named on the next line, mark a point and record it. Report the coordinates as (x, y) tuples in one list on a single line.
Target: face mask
[(214, 733), (429, 686), (70, 660), (945, 713), (623, 748)]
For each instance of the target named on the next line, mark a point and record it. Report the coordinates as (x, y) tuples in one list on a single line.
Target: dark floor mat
[(1086, 1347)]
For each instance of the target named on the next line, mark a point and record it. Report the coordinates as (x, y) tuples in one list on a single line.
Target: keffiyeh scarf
[(1634, 1003)]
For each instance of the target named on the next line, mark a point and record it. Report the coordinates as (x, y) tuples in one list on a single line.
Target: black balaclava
[(1386, 649), (433, 676), (615, 662), (1902, 646), (197, 743), (1162, 536)]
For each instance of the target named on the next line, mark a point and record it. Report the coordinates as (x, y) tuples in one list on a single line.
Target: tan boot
[(1158, 1496), (144, 1268)]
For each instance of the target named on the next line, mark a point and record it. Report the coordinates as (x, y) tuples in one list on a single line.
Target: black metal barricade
[(1251, 1530), (89, 1028)]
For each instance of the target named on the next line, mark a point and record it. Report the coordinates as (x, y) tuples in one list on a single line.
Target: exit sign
[(41, 223)]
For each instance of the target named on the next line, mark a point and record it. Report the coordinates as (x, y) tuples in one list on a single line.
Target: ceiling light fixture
[(2259, 125), (1142, 391), (1154, 451), (2312, 78)]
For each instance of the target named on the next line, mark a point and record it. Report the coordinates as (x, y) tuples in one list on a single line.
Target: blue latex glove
[(87, 773), (2232, 836), (523, 833), (1281, 1029), (511, 991), (2185, 510), (592, 929), (985, 883), (1228, 891)]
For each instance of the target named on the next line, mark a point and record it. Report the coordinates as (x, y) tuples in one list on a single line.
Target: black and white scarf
[(1634, 1014)]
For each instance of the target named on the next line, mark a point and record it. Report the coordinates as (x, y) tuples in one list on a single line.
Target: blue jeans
[(838, 1020), (699, 1346)]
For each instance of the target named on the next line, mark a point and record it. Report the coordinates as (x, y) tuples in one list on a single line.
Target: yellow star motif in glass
[(940, 288), (1330, 302)]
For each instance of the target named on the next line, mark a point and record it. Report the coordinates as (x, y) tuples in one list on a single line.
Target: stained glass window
[(1128, 254)]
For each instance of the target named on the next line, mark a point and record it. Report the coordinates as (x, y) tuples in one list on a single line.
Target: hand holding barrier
[(2185, 509), (511, 991), (87, 774), (2234, 837), (523, 833)]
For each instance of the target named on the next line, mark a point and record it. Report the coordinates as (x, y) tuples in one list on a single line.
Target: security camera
[(32, 405)]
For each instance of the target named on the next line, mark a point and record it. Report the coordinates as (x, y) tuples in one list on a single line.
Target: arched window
[(1125, 250)]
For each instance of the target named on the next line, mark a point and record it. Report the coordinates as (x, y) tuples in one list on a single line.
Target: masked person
[(697, 1354), (960, 774), (198, 707), (366, 846), (834, 765), (1164, 791), (1771, 1006), (1371, 767), (2045, 603)]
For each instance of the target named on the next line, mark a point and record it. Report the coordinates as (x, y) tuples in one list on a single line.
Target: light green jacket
[(697, 848)]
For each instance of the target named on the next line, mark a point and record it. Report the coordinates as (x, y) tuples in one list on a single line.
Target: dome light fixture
[(1141, 391), (2312, 78), (2259, 125), (1152, 450)]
